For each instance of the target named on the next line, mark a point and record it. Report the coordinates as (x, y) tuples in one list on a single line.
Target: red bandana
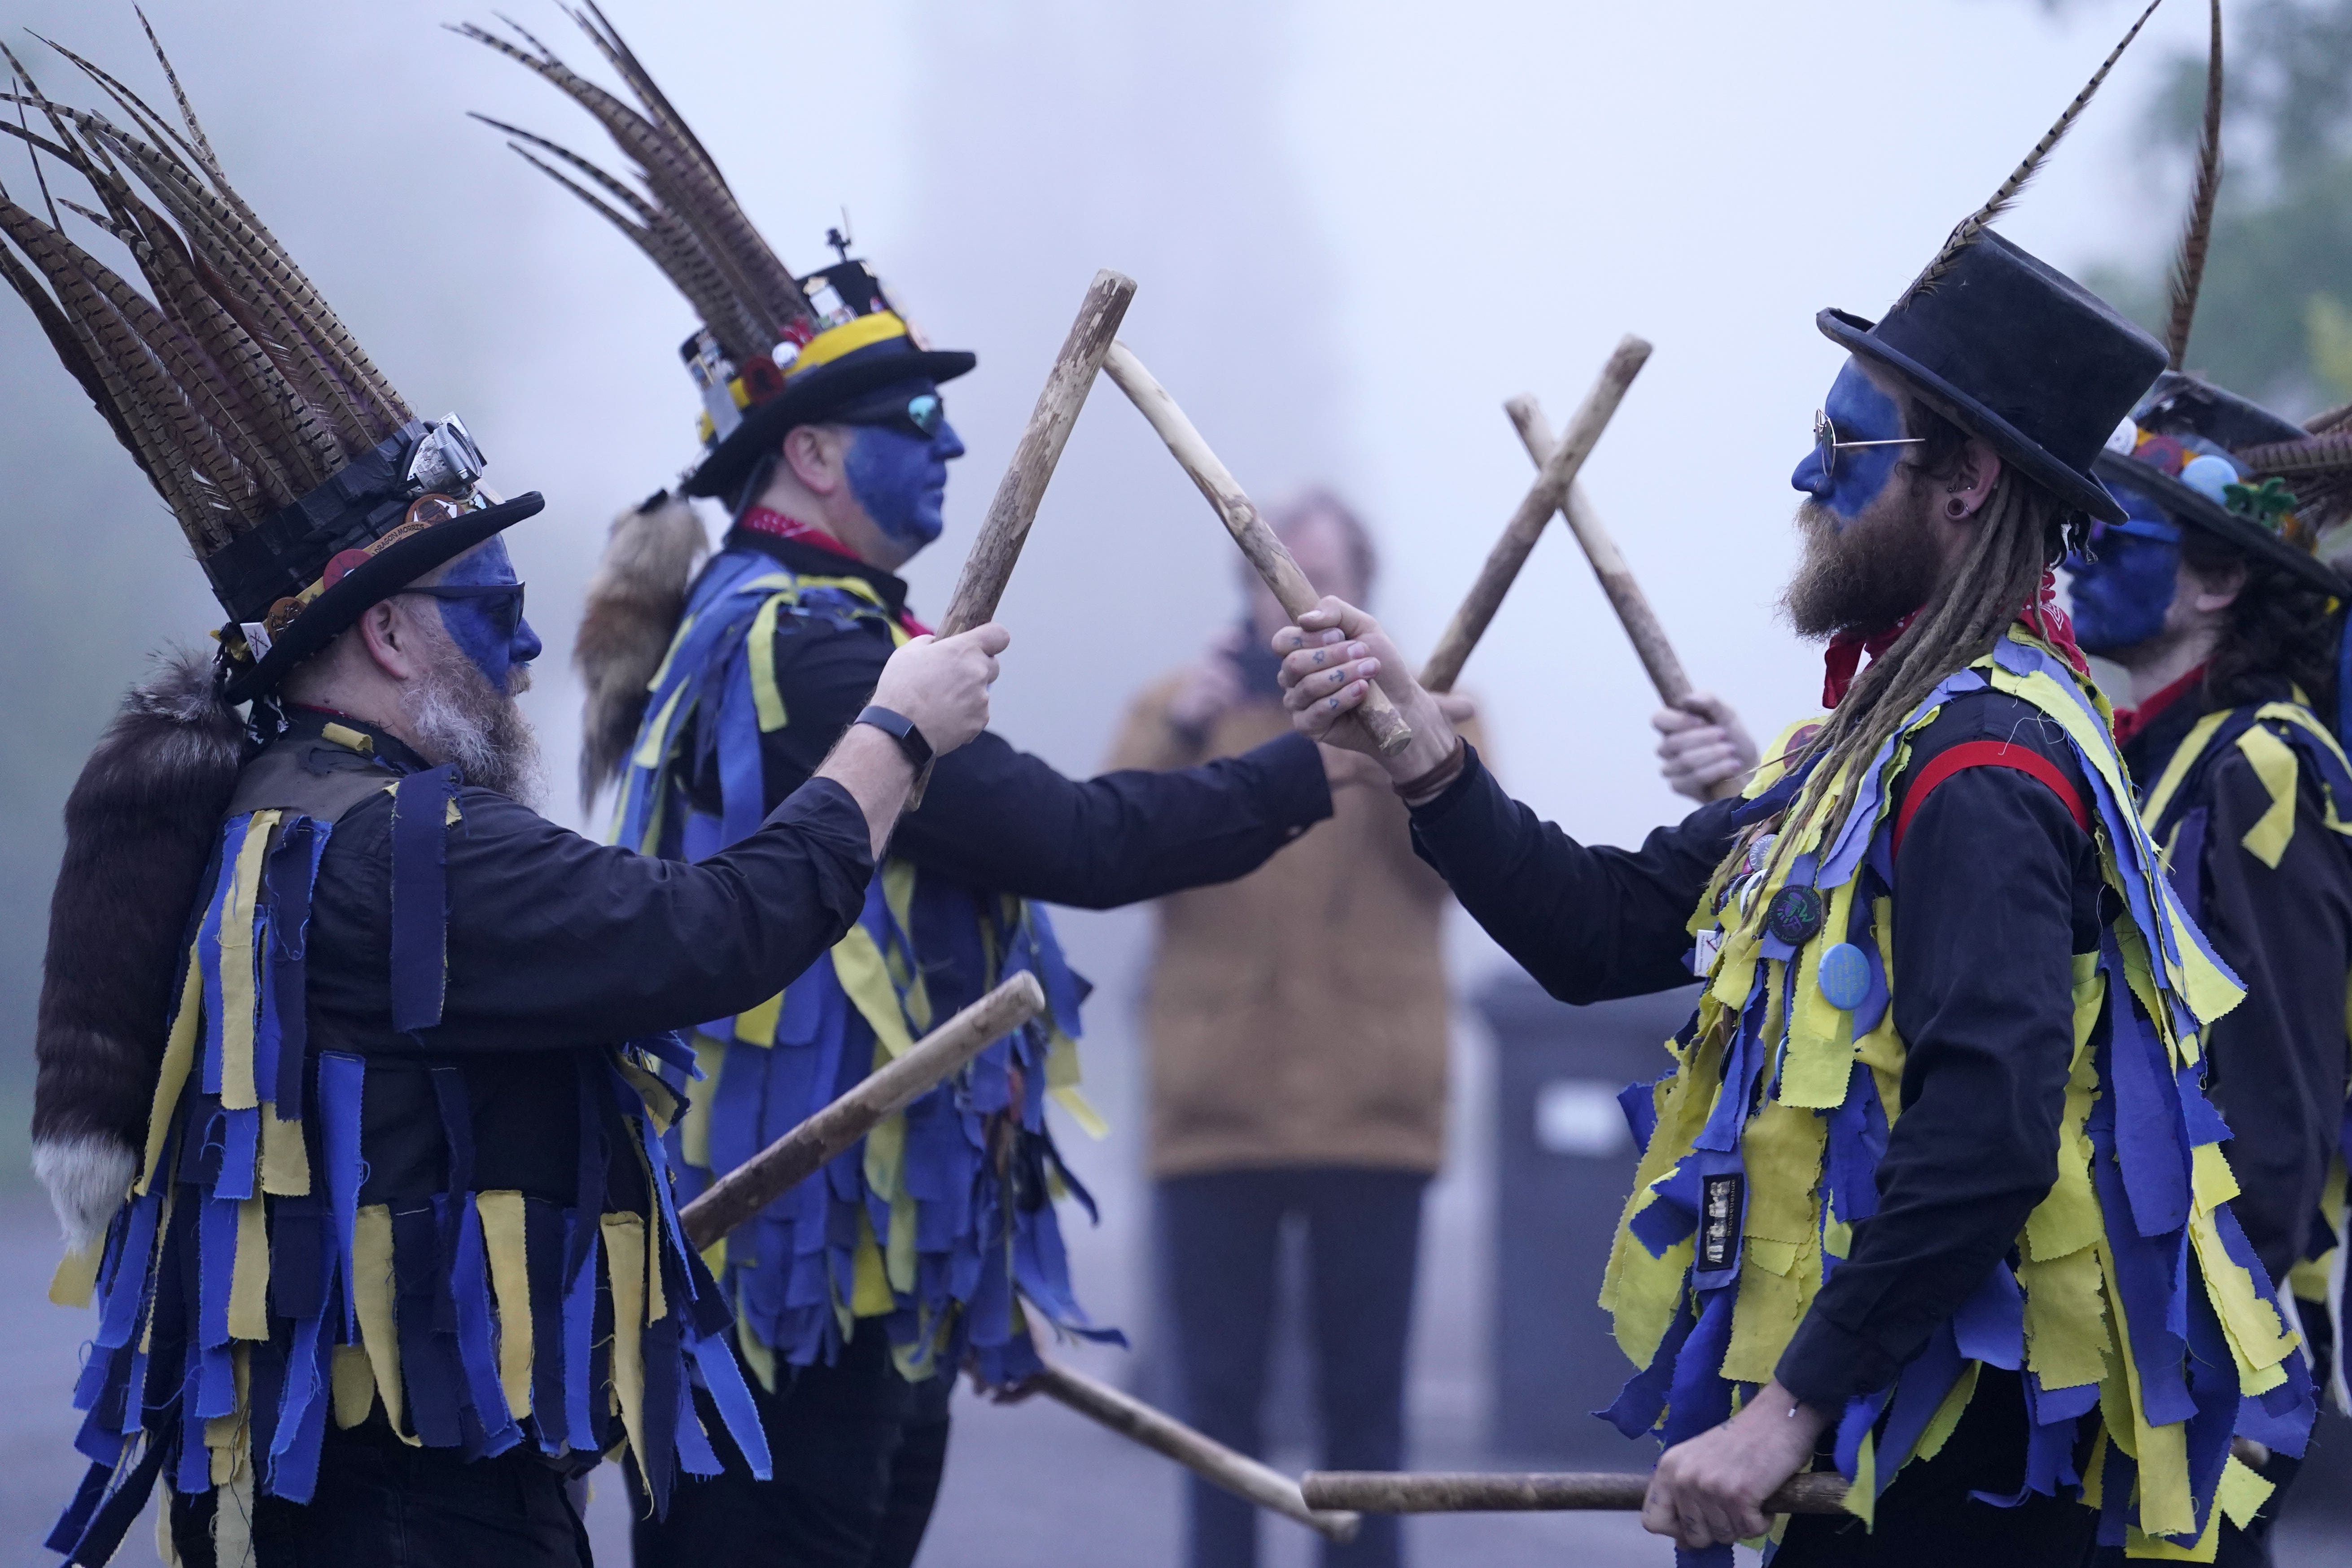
[(769, 521), (1843, 658), (2130, 722), (2050, 625)]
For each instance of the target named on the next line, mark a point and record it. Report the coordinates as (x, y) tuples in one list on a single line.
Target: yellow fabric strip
[(179, 1056), (2166, 1505), (77, 1274), (624, 1261), (1861, 1498), (757, 1355), (2176, 770), (284, 1158), (2241, 1492), (372, 1295), (1947, 1418), (857, 964), (2066, 1336), (503, 1239), (694, 1131), (354, 1384), (349, 739), (870, 1294), (759, 655), (239, 978), (2274, 763), (248, 1289)]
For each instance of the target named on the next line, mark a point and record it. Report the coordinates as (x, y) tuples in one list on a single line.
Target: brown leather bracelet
[(1430, 785)]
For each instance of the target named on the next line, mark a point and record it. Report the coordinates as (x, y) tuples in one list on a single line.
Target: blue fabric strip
[(342, 1080)]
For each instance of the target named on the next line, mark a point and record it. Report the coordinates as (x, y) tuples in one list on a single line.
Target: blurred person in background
[(861, 1293), (1297, 1028)]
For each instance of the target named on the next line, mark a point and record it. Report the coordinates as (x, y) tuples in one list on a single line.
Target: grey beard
[(1861, 576), (458, 717)]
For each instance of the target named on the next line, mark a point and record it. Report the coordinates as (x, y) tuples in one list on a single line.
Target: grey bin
[(1564, 1162)]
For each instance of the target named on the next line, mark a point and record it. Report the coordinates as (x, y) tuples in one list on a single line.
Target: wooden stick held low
[(989, 566), (1240, 515), (792, 1158), (1616, 579), (1399, 1491), (1557, 466), (1205, 1457)]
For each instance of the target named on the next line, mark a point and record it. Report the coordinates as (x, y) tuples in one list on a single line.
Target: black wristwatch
[(899, 728)]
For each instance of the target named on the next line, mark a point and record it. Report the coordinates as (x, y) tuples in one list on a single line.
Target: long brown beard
[(458, 716), (1861, 576)]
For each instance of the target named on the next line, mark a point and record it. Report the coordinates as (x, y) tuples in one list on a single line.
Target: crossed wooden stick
[(1330, 1503)]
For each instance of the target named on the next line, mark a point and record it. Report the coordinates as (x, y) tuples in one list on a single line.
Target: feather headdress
[(687, 220), (2188, 265), (1973, 225), (306, 487), (231, 381)]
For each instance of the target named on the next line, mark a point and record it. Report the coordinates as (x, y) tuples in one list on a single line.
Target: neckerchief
[(1843, 658), (768, 521), (2130, 722)]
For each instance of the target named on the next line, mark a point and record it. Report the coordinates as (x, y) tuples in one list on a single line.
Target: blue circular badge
[(1844, 976)]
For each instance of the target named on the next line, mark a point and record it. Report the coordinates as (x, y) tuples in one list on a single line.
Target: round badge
[(1794, 915), (1844, 976)]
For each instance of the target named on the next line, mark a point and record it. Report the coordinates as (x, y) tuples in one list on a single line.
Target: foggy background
[(1357, 227)]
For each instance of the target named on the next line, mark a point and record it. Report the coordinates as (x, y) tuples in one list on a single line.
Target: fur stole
[(635, 602), (140, 828)]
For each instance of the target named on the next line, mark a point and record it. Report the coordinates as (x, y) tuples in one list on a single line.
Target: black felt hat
[(2019, 353), (2183, 420)]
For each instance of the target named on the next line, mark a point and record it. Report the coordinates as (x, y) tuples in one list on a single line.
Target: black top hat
[(2019, 353), (306, 488), (774, 350), (2178, 450)]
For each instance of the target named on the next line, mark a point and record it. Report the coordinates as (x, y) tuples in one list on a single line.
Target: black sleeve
[(1587, 923), (555, 939), (2277, 1059), (1000, 818), (1996, 889)]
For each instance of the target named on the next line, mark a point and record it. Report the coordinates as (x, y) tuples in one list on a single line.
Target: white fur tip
[(86, 1178)]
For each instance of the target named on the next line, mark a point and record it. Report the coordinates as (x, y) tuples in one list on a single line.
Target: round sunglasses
[(1827, 446)]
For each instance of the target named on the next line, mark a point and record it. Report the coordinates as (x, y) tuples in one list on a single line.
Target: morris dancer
[(1934, 1191), (859, 1294), (371, 1047)]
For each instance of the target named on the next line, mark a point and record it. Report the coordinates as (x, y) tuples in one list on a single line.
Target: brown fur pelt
[(140, 826), (635, 602)]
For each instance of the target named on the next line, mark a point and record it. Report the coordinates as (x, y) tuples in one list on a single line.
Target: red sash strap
[(1989, 754)]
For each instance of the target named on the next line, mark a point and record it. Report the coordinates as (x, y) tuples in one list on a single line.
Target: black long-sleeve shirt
[(1997, 888), (2277, 1061), (997, 818), (556, 945)]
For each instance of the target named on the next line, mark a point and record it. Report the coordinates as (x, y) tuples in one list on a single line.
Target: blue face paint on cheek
[(2118, 600), (901, 480), (490, 630), (1861, 412)]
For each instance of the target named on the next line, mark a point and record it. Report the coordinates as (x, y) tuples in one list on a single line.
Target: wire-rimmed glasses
[(1827, 446)]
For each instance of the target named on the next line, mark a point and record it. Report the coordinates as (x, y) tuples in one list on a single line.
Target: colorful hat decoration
[(2011, 348), (774, 350), (303, 481), (2211, 459)]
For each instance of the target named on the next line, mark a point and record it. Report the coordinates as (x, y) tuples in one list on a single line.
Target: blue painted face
[(900, 478), (488, 628), (1861, 412), (2119, 599)]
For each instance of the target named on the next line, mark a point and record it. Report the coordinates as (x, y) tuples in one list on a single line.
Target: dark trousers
[(858, 1453), (382, 1504), (1220, 1237), (1926, 1518)]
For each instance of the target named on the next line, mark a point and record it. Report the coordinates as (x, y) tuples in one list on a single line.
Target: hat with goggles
[(774, 350), (303, 483)]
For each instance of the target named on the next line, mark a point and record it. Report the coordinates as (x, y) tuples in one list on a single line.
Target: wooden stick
[(1557, 468), (989, 566), (1617, 580), (792, 1158), (1397, 1491), (1204, 1455), (1240, 515)]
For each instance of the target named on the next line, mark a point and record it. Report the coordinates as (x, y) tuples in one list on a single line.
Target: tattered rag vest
[(276, 1268), (2135, 1310), (942, 1224), (2279, 741)]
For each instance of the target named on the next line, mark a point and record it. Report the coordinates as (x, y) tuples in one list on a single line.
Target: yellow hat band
[(861, 331)]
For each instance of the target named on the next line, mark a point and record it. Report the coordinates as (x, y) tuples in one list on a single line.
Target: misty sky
[(1357, 227)]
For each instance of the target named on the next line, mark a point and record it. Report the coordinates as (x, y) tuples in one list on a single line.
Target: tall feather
[(2188, 265), (2334, 419), (1974, 225)]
